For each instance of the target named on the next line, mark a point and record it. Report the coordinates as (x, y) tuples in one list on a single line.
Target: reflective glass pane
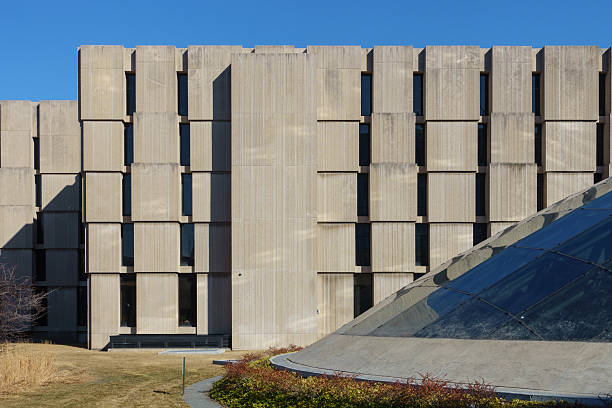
[(127, 194), (513, 330), (421, 244), (417, 94), (534, 282), (605, 201), (187, 194), (187, 300), (563, 229), (128, 144), (482, 144), (484, 94), (127, 244), (593, 245), (130, 96), (366, 94), (185, 148), (187, 244), (493, 269), (364, 145), (422, 194), (128, 299), (419, 146), (362, 293), (363, 196), (182, 94), (362, 244)]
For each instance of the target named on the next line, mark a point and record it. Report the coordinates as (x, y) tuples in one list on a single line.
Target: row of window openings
[(182, 88), (81, 309), (128, 144), (186, 188), (417, 94), (187, 244)]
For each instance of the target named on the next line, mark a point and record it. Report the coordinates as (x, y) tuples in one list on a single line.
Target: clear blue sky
[(38, 39)]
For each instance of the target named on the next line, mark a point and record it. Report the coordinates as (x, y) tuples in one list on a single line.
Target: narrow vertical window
[(186, 244), (535, 94), (602, 94), (362, 244), (41, 265), (187, 300), (82, 274), (36, 153), (39, 228), (482, 144), (81, 229), (127, 195), (366, 94), (363, 195), (38, 190), (597, 177), (363, 294), (130, 95), (417, 94), (600, 145), (127, 244), (421, 244), (185, 140), (479, 233), (182, 94), (422, 194), (540, 191), (127, 282), (43, 318), (82, 306), (187, 195), (419, 145), (480, 194), (128, 144), (538, 144), (364, 145), (484, 94)]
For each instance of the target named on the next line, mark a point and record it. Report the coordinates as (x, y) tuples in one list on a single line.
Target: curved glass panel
[(534, 282), (512, 330), (593, 245)]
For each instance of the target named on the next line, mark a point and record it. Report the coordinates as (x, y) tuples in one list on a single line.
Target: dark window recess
[(422, 194), (538, 144), (82, 306), (38, 190), (130, 96), (81, 230), (127, 195), (417, 94), (363, 195), (82, 274), (127, 244), (187, 244), (602, 94), (366, 94), (535, 94), (182, 94), (540, 191), (185, 148), (364, 145), (41, 265), (600, 144), (597, 177), (187, 300), (36, 153), (482, 144), (479, 233), (40, 237), (484, 94), (419, 144), (42, 318), (128, 144), (421, 244), (187, 194), (363, 296), (128, 299), (362, 244), (480, 194)]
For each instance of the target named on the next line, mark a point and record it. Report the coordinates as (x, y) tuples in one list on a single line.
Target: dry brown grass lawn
[(85, 378)]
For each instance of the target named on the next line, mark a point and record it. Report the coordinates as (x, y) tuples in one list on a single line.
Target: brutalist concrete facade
[(322, 179)]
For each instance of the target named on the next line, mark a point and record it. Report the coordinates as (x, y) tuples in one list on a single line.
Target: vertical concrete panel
[(212, 248), (17, 119), (156, 247), (386, 284), (338, 146), (451, 197), (392, 137), (104, 248), (210, 146), (334, 301), (447, 240), (103, 146), (155, 192), (337, 197), (60, 137), (560, 185), (214, 304), (393, 246), (156, 137), (569, 146), (512, 191), (156, 303), (336, 247), (392, 79), (511, 138), (103, 195), (393, 192), (510, 80), (17, 186), (101, 82), (452, 146), (211, 197), (104, 309), (496, 227), (61, 192), (16, 226), (156, 79)]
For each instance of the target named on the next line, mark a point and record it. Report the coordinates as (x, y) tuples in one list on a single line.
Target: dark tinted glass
[(479, 233), (185, 148), (127, 244), (182, 94), (82, 274), (600, 145), (362, 244), (130, 101), (540, 191), (36, 153), (364, 145), (421, 244), (362, 295), (128, 144), (366, 94), (187, 194), (82, 306), (482, 144), (363, 195), (419, 133), (484, 94), (480, 194), (597, 177), (602, 94), (422, 194), (41, 265), (605, 201), (43, 318), (187, 300), (538, 144), (38, 190), (593, 245), (535, 94), (127, 195), (187, 244), (128, 299), (417, 94), (39, 228)]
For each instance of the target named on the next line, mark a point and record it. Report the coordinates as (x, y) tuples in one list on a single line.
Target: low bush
[(253, 382)]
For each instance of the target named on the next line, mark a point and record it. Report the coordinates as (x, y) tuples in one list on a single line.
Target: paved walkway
[(196, 395)]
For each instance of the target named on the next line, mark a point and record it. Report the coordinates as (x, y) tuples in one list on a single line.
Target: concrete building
[(271, 194)]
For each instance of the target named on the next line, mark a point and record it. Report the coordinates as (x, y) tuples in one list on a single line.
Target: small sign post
[(183, 371)]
